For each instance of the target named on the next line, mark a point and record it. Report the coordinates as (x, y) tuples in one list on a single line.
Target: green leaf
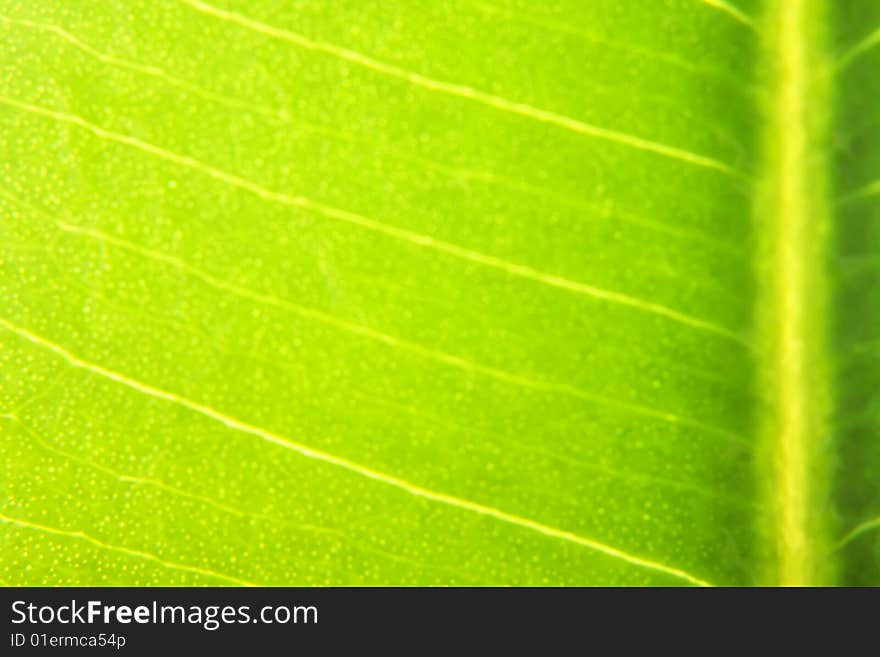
[(426, 293)]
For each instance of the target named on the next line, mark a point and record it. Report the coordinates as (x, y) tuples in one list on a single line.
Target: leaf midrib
[(793, 220)]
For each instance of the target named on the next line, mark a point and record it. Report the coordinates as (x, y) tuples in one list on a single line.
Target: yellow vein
[(867, 191), (453, 173), (445, 304), (559, 27), (138, 554), (863, 528), (156, 483), (350, 466), (732, 11), (364, 331), (575, 461), (468, 93), (793, 398), (146, 69), (391, 340), (858, 50), (411, 237), (348, 137), (723, 247), (224, 507), (793, 310), (696, 372)]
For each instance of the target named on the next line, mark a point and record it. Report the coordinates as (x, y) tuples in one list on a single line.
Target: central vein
[(793, 222)]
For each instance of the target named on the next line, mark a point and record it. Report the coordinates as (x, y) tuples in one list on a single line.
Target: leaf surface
[(425, 293)]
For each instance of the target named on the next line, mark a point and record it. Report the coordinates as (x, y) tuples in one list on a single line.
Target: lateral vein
[(351, 137), (139, 554), (396, 342), (401, 234), (731, 10), (860, 49), (338, 461), (849, 537), (465, 92)]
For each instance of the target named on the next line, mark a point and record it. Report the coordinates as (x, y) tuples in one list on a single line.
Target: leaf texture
[(417, 293)]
